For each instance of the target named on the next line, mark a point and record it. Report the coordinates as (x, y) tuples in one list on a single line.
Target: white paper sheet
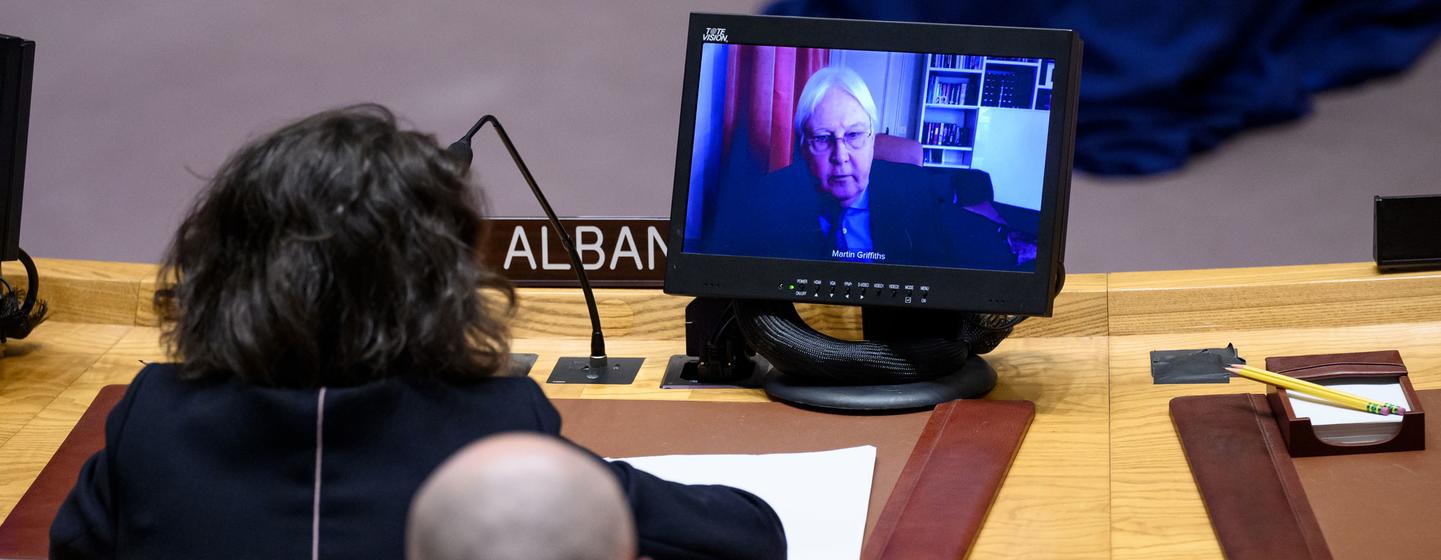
[(1322, 412), (1337, 424), (821, 497)]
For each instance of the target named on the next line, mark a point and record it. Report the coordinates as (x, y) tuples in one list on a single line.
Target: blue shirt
[(855, 224)]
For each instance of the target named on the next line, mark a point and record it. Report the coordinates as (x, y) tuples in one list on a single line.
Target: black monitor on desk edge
[(17, 61), (946, 190)]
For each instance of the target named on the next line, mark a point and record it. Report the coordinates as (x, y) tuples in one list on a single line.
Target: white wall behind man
[(134, 99)]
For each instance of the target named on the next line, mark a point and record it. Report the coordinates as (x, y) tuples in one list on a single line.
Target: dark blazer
[(223, 469), (913, 215)]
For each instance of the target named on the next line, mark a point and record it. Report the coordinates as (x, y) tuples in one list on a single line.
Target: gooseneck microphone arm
[(462, 151)]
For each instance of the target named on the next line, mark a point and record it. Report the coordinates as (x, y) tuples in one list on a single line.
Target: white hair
[(821, 82)]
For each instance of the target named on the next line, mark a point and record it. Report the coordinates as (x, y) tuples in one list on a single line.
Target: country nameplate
[(616, 252)]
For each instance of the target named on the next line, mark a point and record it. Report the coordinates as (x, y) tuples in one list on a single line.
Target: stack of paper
[(1338, 424), (821, 497)]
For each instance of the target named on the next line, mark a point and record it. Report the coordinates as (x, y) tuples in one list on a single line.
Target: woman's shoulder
[(157, 377), (163, 395), (510, 385), (159, 383), (162, 375)]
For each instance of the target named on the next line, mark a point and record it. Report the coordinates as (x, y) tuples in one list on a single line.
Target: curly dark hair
[(336, 250)]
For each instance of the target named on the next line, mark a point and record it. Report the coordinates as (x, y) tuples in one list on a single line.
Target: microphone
[(598, 368)]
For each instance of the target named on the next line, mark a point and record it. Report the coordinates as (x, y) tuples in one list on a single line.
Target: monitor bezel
[(17, 63), (1022, 293)]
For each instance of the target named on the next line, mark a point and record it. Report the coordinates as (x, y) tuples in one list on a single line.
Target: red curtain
[(760, 103)]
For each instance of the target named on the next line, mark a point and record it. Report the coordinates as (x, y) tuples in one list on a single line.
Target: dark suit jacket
[(228, 470), (913, 215)]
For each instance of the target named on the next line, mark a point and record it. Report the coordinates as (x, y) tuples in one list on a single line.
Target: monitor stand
[(717, 356), (910, 359), (974, 379)]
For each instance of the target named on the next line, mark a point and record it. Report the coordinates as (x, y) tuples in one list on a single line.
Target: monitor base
[(973, 380), (910, 358)]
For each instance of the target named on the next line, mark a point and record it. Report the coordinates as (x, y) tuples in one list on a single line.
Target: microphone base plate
[(577, 371), (683, 372)]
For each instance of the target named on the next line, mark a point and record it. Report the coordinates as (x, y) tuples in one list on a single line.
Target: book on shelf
[(956, 62), (946, 134), (948, 93)]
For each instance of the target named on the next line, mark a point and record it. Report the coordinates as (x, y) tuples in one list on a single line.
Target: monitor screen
[(873, 163), (864, 156)]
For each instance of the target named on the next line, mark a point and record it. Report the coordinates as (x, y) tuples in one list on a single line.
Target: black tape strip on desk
[(1206, 365)]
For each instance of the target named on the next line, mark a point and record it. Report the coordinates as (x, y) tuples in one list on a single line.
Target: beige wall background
[(137, 100)]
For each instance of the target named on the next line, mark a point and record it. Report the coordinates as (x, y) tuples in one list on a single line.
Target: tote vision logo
[(715, 35)]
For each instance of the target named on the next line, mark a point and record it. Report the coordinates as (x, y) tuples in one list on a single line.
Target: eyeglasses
[(822, 143)]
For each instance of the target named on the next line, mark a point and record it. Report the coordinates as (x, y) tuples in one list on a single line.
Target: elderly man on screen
[(841, 203)]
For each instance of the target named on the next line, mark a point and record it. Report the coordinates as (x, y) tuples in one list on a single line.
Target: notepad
[(820, 497), (1336, 424)]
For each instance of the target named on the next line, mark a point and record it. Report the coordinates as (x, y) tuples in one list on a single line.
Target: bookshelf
[(956, 87)]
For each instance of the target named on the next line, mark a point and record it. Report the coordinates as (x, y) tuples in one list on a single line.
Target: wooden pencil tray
[(1301, 439)]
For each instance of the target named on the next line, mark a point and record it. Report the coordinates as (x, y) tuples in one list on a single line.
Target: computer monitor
[(905, 165), (17, 61)]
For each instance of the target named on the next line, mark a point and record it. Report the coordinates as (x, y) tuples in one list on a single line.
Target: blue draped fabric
[(1163, 80)]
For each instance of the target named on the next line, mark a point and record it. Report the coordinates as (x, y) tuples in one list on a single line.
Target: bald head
[(520, 496)]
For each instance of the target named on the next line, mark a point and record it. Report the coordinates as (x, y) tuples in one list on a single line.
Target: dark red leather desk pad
[(936, 472), (1265, 504)]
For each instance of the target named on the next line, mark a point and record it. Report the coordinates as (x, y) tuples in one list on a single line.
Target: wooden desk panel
[(36, 369), (45, 384), (1100, 474), (87, 291), (121, 293), (1054, 502), (1156, 510), (1080, 310), (1281, 297)]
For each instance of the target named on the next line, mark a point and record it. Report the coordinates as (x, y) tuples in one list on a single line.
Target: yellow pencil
[(1342, 398), (1354, 401), (1312, 388), (1326, 393)]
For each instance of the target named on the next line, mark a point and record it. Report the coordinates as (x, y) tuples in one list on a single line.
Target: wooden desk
[(1100, 474), (1156, 511)]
